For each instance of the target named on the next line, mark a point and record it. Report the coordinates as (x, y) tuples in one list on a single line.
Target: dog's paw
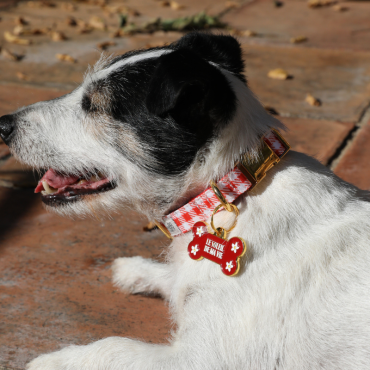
[(130, 274)]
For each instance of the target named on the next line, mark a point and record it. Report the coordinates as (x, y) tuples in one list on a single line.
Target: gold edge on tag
[(238, 259)]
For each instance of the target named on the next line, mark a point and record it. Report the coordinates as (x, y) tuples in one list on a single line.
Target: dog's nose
[(7, 124)]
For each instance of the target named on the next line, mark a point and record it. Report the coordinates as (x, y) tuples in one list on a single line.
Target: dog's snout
[(7, 125)]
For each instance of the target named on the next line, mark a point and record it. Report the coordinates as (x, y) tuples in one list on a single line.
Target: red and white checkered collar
[(240, 179)]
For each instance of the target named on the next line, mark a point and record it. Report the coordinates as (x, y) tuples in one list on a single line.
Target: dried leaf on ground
[(58, 36), (105, 45), (310, 99), (97, 23), (340, 8), (278, 74), (172, 4), (16, 40), (164, 3), (24, 31), (22, 76), (120, 9), (298, 40), (231, 4), (234, 32), (11, 56), (247, 33), (20, 21), (150, 226), (66, 58), (133, 12), (20, 30), (84, 27), (320, 3), (176, 6), (71, 21), (278, 3), (41, 4)]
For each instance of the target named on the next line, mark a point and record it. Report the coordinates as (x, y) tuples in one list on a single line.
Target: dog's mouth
[(58, 188)]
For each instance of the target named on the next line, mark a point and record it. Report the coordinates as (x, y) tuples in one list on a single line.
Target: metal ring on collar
[(221, 197), (234, 209)]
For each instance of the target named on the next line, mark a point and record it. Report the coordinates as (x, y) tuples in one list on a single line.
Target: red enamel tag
[(223, 252)]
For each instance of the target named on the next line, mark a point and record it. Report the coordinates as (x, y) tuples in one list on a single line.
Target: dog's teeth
[(94, 178), (81, 182), (48, 189)]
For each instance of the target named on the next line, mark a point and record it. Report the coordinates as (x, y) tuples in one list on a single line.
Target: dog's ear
[(189, 89), (223, 50)]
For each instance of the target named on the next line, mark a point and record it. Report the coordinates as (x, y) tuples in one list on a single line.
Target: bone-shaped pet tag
[(226, 253)]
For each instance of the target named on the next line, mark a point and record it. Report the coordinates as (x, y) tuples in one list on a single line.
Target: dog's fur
[(162, 123)]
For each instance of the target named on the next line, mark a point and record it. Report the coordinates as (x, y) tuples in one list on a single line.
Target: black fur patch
[(178, 102), (224, 50)]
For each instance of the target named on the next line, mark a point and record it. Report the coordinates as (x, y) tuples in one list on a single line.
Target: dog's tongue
[(55, 180)]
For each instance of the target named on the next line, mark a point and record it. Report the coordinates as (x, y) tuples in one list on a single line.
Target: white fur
[(130, 60), (301, 300)]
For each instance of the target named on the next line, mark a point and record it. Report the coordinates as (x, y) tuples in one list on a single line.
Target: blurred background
[(307, 61)]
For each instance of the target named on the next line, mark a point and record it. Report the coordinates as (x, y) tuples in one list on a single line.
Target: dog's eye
[(86, 103)]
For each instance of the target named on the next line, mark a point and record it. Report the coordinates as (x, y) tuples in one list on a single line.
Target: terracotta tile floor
[(55, 283)]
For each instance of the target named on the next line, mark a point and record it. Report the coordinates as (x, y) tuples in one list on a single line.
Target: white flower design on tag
[(200, 231), (229, 265), (194, 249), (235, 247)]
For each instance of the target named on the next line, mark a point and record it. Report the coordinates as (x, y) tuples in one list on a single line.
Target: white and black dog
[(150, 129)]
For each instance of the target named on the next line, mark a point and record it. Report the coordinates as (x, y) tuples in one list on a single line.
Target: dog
[(149, 130)]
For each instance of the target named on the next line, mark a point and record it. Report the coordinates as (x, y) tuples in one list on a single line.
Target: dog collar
[(243, 177)]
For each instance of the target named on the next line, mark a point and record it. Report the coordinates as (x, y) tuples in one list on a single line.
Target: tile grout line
[(347, 142)]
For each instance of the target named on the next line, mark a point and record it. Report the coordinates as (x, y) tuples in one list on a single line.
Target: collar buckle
[(243, 177), (256, 171)]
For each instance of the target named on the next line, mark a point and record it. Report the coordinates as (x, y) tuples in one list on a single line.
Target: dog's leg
[(119, 354), (142, 275)]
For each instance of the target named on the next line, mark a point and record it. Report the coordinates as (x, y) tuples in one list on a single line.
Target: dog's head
[(148, 128)]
